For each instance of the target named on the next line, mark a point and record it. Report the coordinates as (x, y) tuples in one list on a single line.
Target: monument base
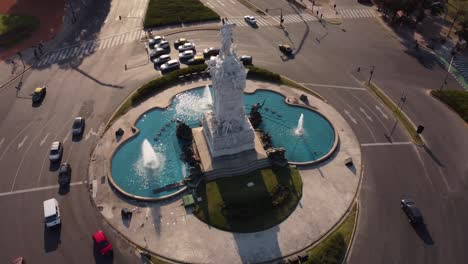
[(229, 165)]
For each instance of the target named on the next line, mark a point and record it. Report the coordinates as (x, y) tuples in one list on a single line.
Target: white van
[(51, 212)]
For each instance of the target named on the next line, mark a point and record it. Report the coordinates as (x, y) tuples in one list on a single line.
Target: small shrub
[(262, 74), (331, 251)]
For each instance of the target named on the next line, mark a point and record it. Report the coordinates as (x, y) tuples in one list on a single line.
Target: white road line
[(350, 117), (20, 145), (38, 189), (44, 140), (42, 167), (95, 186), (1, 142), (381, 112), (335, 86), (386, 144), (365, 114), (66, 138), (21, 132)]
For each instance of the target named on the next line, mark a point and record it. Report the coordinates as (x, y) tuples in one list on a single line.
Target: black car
[(246, 59), (207, 53), (64, 177), (180, 42), (38, 95), (158, 52), (409, 207), (78, 126)]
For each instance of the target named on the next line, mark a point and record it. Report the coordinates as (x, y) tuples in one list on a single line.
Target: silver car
[(56, 150), (170, 66)]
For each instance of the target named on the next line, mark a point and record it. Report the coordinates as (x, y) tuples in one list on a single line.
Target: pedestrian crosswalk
[(89, 47), (461, 64), (356, 13)]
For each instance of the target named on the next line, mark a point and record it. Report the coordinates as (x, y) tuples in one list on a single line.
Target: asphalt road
[(325, 59)]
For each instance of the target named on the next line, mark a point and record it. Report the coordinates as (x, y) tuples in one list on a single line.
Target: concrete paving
[(167, 229)]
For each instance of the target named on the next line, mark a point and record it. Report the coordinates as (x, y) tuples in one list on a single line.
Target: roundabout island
[(261, 172)]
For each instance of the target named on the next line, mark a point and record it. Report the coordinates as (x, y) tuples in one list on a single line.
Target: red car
[(101, 243)]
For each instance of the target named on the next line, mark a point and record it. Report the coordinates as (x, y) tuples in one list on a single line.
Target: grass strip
[(252, 7), (15, 28), (332, 249), (164, 12), (457, 100), (396, 112), (228, 204)]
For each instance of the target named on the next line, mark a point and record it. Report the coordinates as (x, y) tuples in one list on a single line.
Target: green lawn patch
[(396, 112), (164, 12), (455, 99), (333, 248), (230, 205), (14, 28)]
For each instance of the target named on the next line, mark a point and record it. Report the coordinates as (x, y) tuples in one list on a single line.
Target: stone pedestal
[(224, 140)]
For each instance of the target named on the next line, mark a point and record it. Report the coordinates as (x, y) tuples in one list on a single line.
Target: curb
[(302, 87)]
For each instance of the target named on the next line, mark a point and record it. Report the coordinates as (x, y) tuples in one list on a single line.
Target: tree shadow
[(79, 44)]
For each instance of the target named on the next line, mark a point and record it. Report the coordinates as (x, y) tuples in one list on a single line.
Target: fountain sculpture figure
[(226, 128)]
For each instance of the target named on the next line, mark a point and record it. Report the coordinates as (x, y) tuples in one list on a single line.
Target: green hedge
[(331, 251), (14, 28), (456, 99), (262, 74), (169, 12)]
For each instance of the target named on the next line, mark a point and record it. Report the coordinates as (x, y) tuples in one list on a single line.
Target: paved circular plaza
[(167, 229)]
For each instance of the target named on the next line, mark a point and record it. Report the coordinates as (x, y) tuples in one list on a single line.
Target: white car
[(56, 150), (186, 46), (188, 54), (158, 39), (170, 66), (250, 20), (51, 213)]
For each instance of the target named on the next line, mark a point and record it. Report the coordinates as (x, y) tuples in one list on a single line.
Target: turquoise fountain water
[(151, 159)]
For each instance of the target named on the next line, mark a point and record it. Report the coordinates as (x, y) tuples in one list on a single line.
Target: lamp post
[(447, 74), (281, 14), (73, 11)]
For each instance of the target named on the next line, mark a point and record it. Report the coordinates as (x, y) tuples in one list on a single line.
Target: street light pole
[(371, 74), (281, 14), (73, 12), (448, 72)]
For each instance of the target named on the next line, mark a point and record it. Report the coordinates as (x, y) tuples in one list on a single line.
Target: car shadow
[(54, 166), (52, 238), (100, 259), (77, 138), (64, 189), (423, 233)]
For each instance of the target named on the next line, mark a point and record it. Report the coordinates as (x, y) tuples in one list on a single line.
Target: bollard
[(358, 69), (125, 66)]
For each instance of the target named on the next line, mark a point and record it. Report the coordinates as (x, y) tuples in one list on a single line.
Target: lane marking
[(44, 140), (38, 189), (20, 145), (381, 112), (386, 144), (66, 138), (335, 86), (1, 142), (95, 186), (365, 114), (21, 132), (350, 117), (91, 132)]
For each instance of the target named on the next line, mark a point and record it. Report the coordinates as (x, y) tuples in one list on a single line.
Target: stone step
[(211, 175)]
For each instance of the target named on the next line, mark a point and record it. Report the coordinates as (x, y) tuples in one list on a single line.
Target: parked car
[(411, 211), (286, 49), (158, 52), (101, 243), (211, 51), (56, 150), (198, 59), (78, 126), (246, 59), (164, 44), (162, 59), (186, 46), (39, 94), (250, 20), (18, 260), (170, 66), (158, 39), (188, 54), (180, 42), (151, 43), (64, 176)]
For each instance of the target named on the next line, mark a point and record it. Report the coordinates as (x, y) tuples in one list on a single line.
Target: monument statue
[(227, 129)]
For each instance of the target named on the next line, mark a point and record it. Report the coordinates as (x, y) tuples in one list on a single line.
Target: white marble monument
[(226, 128)]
